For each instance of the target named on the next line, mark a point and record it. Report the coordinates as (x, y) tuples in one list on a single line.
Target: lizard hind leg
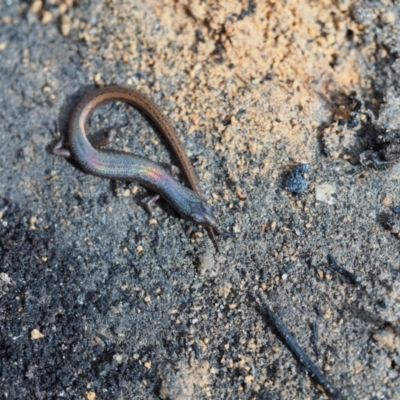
[(149, 203), (59, 149), (111, 136)]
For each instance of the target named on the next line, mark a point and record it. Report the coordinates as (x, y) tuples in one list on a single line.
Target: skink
[(125, 166)]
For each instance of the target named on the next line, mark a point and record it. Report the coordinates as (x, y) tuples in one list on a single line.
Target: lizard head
[(203, 215)]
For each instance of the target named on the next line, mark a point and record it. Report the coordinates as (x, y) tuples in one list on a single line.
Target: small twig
[(314, 337), (340, 270), (290, 342)]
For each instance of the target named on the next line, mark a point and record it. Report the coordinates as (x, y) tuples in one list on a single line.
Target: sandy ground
[(99, 301)]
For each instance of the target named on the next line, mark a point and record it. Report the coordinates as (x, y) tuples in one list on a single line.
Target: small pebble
[(296, 181), (396, 210), (36, 334)]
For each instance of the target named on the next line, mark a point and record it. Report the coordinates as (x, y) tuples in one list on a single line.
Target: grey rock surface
[(98, 301)]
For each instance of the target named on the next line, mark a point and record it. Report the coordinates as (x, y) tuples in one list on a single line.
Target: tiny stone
[(91, 396), (297, 180), (36, 6), (36, 334), (46, 17), (358, 367), (97, 79), (65, 25), (62, 9)]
